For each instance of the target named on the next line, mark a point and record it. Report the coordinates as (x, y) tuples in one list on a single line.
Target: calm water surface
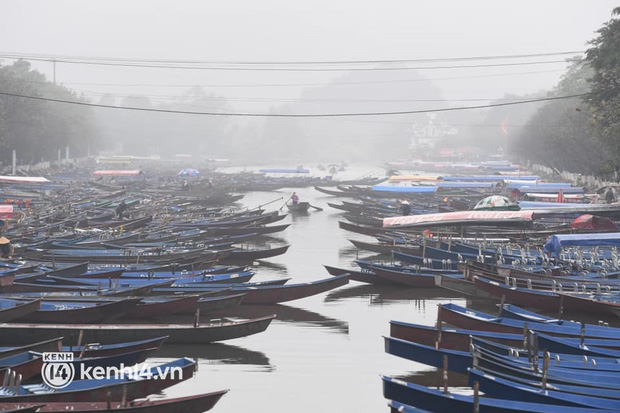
[(322, 353)]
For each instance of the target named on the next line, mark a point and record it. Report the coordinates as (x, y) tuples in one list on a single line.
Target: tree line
[(580, 135), (36, 129)]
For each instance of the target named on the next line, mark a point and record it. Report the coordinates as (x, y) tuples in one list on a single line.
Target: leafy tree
[(38, 129), (604, 101)]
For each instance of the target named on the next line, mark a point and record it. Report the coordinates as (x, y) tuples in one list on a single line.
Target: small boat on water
[(214, 330), (298, 207), (190, 404)]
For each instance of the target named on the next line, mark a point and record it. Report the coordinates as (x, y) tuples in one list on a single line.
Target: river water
[(323, 353)]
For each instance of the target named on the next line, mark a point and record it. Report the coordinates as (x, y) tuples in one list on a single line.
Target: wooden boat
[(18, 309), (438, 401), (94, 349), (299, 207), (476, 320), (79, 313), (460, 339), (96, 390), (546, 300), (156, 307), (406, 277), (53, 344), (244, 255), (177, 333), (189, 404), (498, 387), (363, 275), (455, 283), (288, 292), (211, 304), (29, 364)]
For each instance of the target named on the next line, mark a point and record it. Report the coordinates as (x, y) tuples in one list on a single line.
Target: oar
[(286, 202), (270, 202), (315, 207)]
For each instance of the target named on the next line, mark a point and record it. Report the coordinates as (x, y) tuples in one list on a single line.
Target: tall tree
[(604, 101)]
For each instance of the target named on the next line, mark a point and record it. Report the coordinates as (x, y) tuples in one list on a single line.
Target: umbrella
[(496, 203), (189, 172)]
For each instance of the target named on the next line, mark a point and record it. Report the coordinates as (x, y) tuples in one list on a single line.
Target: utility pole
[(14, 162)]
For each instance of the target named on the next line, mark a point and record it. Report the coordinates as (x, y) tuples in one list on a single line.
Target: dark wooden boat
[(299, 207), (288, 292), (245, 255), (363, 275), (53, 344), (19, 310), (211, 304), (80, 313), (406, 277), (29, 364), (189, 404), (156, 307), (97, 390), (410, 394), (217, 330)]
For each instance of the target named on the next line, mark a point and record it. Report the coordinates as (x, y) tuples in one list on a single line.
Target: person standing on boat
[(6, 248), (294, 199), (405, 208), (120, 209), (609, 195)]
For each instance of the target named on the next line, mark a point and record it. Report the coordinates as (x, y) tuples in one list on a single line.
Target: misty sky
[(297, 31)]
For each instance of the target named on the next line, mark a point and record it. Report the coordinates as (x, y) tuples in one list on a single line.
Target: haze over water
[(323, 353)]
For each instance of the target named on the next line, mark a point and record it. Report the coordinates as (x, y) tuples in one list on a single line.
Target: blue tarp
[(465, 184), (496, 178), (550, 190), (548, 205), (557, 242), (518, 184), (405, 189)]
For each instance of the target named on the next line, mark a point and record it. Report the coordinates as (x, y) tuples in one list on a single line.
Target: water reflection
[(388, 294), (434, 378), (276, 268), (290, 314), (216, 353)]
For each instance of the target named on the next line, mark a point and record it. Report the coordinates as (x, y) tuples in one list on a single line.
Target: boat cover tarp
[(547, 205), (556, 242), (513, 184), (460, 217), (284, 171), (419, 178), (118, 172), (23, 179), (551, 189), (496, 178), (453, 184), (592, 222), (6, 211), (405, 189)]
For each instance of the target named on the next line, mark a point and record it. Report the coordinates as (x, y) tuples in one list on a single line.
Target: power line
[(69, 58), (283, 69), (299, 115), (248, 85)]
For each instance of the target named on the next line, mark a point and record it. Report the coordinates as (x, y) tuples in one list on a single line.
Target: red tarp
[(588, 221), (6, 211)]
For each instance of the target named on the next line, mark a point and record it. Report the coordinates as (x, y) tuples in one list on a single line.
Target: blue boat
[(436, 401)]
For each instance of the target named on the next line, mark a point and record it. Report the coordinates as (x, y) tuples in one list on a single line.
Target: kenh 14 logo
[(58, 370)]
